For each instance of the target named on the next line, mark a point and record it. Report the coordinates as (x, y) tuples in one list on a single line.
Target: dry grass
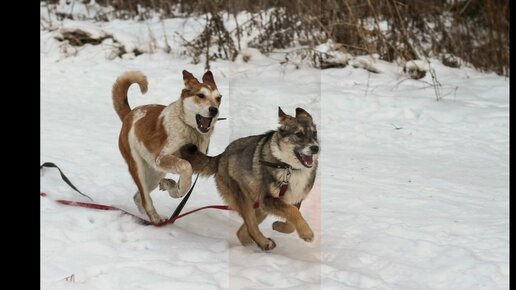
[(474, 31)]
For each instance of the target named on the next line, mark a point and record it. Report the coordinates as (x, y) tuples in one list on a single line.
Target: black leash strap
[(50, 164), (180, 206), (177, 211)]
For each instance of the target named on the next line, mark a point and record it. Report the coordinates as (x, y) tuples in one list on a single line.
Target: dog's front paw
[(283, 227), (306, 234), (269, 245), (169, 185)]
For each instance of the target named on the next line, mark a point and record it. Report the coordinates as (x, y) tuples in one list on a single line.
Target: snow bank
[(411, 193)]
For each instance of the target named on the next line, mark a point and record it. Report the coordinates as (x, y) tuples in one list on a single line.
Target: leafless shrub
[(214, 35), (473, 31)]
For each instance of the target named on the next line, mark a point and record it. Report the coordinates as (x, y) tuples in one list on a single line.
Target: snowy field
[(411, 193)]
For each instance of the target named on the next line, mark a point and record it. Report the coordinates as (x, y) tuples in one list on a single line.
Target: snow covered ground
[(411, 193)]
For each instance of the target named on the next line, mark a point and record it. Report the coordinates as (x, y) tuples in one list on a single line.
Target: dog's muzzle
[(203, 123), (306, 160)]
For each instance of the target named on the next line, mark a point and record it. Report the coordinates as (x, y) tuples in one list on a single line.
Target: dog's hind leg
[(152, 178), (146, 179), (137, 197)]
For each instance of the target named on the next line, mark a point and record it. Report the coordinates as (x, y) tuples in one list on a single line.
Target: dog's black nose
[(314, 149), (213, 111)]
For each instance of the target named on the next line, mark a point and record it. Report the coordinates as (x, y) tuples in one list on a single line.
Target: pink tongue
[(307, 159), (205, 122)]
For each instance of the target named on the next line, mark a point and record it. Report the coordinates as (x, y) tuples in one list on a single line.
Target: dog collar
[(286, 175), (279, 165)]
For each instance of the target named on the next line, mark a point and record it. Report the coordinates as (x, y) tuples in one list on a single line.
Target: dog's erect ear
[(283, 121), (281, 114), (188, 78), (187, 75), (208, 78), (301, 112)]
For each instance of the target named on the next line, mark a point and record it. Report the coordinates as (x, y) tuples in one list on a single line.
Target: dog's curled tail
[(201, 163), (121, 87)]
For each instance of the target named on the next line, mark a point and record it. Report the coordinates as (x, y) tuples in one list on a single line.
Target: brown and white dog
[(151, 135)]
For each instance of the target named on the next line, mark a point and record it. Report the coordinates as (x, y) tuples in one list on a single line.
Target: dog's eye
[(218, 99), (201, 96), (315, 134), (300, 134)]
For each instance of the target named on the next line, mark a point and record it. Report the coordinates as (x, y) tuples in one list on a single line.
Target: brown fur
[(153, 124), (151, 135), (121, 87)]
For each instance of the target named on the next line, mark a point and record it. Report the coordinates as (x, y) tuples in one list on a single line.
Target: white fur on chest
[(297, 186), (299, 179), (179, 133)]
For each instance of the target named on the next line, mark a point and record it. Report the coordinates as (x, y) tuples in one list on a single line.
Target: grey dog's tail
[(201, 163)]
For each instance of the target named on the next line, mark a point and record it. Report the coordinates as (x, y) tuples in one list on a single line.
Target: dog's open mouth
[(203, 123), (306, 160)]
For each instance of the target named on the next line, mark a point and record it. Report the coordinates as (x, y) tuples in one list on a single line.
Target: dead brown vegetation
[(474, 31)]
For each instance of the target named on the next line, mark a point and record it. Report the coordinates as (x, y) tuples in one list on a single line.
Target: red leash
[(174, 216), (143, 221)]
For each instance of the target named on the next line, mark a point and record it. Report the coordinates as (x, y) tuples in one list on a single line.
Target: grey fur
[(242, 180)]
